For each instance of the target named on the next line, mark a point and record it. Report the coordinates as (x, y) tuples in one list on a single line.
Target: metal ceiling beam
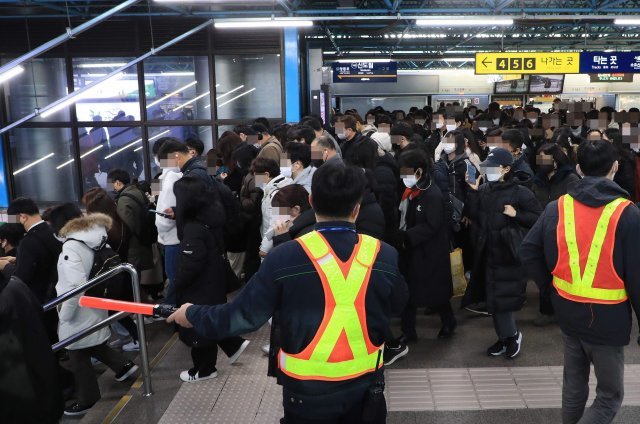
[(611, 4), (123, 68), (69, 34), (56, 8), (285, 5), (503, 5)]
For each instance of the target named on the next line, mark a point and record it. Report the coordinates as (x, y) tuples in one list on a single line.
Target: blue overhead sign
[(612, 62), (365, 72)]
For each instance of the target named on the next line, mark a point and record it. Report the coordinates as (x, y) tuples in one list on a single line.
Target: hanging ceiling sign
[(614, 62), (365, 72), (528, 63), (625, 77)]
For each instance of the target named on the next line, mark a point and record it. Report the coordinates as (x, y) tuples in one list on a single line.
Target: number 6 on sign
[(530, 63)]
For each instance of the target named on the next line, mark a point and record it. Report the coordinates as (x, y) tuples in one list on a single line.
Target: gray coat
[(140, 256)]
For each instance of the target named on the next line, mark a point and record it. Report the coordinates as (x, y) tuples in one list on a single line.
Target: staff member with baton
[(336, 291)]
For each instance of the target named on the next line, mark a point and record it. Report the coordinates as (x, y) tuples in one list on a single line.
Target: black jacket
[(287, 282), (591, 322), (457, 171), (497, 276), (347, 144), (36, 264), (550, 189), (29, 387), (302, 225), (387, 176), (521, 172), (194, 167), (200, 267), (428, 269)]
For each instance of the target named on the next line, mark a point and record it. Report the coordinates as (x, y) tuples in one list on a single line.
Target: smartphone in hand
[(471, 173), (162, 214)]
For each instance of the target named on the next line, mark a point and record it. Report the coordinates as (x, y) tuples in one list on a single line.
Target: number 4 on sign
[(502, 64)]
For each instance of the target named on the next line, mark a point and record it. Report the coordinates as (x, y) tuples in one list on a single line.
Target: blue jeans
[(171, 253)]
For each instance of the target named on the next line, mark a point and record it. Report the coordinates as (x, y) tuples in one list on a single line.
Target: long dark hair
[(199, 201)]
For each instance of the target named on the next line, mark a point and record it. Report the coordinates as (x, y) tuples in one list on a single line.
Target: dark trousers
[(408, 317), (505, 324), (87, 390), (352, 415), (608, 364), (546, 307), (204, 359)]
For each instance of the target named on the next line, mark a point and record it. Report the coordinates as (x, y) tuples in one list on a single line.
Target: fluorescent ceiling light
[(456, 59), (176, 74), (101, 65), (34, 163), (627, 21), (11, 73), (262, 23), (230, 91), (237, 97), (373, 60), (458, 21), (173, 93)]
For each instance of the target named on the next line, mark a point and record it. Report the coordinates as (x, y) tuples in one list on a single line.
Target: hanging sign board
[(528, 63), (365, 72), (625, 77), (614, 62)]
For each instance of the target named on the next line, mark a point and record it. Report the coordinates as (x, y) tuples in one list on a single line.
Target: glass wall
[(43, 164), (248, 86), (59, 156)]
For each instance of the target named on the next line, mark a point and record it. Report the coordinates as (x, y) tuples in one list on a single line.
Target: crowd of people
[(430, 182)]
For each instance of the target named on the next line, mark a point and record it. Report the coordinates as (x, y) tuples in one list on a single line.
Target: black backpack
[(104, 259), (148, 233)]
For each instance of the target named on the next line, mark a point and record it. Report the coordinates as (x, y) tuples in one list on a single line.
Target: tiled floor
[(456, 389)]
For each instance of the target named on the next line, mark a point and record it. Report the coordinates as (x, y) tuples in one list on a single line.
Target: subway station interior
[(89, 87)]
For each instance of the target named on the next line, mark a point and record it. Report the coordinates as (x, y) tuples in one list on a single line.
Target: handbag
[(457, 272), (231, 280)]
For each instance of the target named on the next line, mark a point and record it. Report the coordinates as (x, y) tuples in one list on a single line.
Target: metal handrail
[(146, 376)]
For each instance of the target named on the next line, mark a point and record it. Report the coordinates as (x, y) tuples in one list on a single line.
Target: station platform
[(450, 381)]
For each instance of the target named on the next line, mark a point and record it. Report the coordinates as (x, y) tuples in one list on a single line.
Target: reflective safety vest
[(586, 237), (341, 348)]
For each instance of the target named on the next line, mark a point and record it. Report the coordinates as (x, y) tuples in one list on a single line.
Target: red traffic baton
[(131, 307)]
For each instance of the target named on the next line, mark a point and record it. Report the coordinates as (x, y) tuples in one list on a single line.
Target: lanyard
[(334, 229)]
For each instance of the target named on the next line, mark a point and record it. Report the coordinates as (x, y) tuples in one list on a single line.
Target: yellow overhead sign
[(528, 63)]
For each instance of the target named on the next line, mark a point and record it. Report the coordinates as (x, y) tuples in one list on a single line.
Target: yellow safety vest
[(341, 348), (599, 282)]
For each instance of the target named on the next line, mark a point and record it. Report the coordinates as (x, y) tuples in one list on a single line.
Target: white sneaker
[(131, 347), (188, 378), (233, 358), (266, 349), (119, 342)]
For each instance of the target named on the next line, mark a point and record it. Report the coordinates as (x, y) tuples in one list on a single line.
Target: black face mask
[(316, 163), (545, 169)]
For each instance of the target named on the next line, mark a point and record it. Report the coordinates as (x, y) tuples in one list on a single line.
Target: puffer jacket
[(74, 266), (270, 190)]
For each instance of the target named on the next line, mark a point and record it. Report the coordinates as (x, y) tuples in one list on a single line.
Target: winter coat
[(521, 172), (457, 175), (497, 276), (74, 267), (200, 276), (270, 190), (426, 256), (550, 189), (272, 149), (304, 178), (129, 210), (625, 177), (195, 168), (29, 387), (370, 220), (167, 232), (36, 261), (594, 323), (387, 175)]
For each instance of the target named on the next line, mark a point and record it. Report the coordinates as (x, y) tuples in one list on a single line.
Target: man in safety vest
[(335, 292), (587, 244)]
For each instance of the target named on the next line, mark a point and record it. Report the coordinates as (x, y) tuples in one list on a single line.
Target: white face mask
[(448, 147), (533, 120), (576, 132), (493, 177), (410, 182), (342, 136), (286, 171), (472, 115), (451, 127), (483, 129), (468, 151), (439, 125), (496, 121)]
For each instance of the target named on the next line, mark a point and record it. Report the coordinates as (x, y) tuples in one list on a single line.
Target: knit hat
[(383, 139)]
